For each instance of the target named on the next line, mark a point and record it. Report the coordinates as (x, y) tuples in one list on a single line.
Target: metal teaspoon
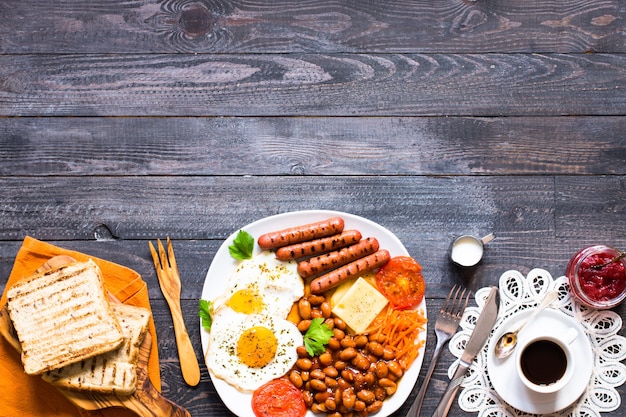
[(507, 342), (609, 262)]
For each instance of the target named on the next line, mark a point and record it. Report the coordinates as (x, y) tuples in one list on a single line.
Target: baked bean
[(366, 396), (304, 309), (343, 384), (388, 354), (347, 342), (316, 299), (331, 371), (359, 381), (353, 376), (340, 324), (318, 385), (359, 405), (347, 354), (361, 362), (296, 379), (348, 398), (326, 359), (317, 374), (321, 397), (330, 404), (380, 394), (301, 351), (395, 369), (374, 407), (348, 375), (360, 340), (337, 393), (326, 309), (304, 325), (376, 349), (304, 364), (308, 398), (338, 333), (380, 338), (334, 344), (389, 386)]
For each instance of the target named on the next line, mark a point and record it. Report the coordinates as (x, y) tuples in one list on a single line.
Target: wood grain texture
[(283, 26), (72, 146), (313, 85), (127, 121)]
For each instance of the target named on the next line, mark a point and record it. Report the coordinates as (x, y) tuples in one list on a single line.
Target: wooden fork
[(169, 280)]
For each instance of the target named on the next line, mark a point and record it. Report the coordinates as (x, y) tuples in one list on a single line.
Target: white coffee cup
[(545, 363)]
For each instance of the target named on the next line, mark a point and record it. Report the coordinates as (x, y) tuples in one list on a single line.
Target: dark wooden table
[(123, 122)]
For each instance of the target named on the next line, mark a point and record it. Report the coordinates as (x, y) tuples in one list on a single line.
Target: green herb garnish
[(204, 312), (242, 246), (317, 336)]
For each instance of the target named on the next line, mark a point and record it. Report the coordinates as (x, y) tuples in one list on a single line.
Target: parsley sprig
[(317, 337), (204, 312), (242, 246)]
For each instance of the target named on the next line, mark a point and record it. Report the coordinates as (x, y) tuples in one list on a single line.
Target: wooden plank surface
[(323, 26), (127, 121), (313, 84), (72, 146)]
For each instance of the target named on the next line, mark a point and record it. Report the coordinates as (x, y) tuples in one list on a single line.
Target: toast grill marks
[(62, 317), (111, 372)]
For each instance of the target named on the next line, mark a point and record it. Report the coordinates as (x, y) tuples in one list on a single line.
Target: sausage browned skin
[(302, 233), (335, 259), (318, 246), (354, 269)]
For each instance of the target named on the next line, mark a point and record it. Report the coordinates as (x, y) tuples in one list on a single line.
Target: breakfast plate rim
[(223, 264), (503, 374)]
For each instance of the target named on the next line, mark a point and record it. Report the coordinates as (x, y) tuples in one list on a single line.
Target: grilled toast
[(114, 372), (62, 316)]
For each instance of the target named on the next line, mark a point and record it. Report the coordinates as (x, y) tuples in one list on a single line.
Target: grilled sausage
[(351, 270), (318, 246), (302, 233), (335, 259)]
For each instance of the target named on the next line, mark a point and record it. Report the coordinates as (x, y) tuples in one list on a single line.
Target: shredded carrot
[(399, 331)]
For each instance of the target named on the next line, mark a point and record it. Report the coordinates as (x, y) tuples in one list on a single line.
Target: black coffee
[(543, 362)]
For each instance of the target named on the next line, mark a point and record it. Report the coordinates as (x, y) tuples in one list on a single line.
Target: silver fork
[(445, 327)]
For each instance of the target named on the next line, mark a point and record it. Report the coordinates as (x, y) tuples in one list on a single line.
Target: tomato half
[(278, 398), (401, 281)]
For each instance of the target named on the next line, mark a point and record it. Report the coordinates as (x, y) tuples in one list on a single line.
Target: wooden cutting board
[(146, 401)]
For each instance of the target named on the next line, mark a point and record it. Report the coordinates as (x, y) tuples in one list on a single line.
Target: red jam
[(597, 288)]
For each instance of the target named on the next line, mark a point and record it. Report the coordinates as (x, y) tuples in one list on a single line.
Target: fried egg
[(262, 285), (251, 342), (248, 350)]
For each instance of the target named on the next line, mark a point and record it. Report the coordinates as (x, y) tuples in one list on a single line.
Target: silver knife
[(477, 340)]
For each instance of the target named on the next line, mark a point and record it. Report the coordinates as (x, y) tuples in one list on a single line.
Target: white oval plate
[(509, 386), (223, 265)]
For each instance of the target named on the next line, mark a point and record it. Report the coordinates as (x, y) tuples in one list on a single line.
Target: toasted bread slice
[(114, 372), (62, 316)]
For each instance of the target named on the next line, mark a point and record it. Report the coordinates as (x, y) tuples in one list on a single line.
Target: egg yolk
[(246, 301), (257, 346)]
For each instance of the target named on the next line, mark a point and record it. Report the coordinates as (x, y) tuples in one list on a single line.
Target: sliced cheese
[(360, 305)]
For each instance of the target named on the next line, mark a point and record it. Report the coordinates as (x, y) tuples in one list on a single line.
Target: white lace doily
[(518, 293)]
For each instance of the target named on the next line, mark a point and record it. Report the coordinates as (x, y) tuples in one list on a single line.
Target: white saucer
[(503, 374)]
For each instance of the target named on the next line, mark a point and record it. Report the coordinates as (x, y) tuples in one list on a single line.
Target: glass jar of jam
[(599, 288)]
